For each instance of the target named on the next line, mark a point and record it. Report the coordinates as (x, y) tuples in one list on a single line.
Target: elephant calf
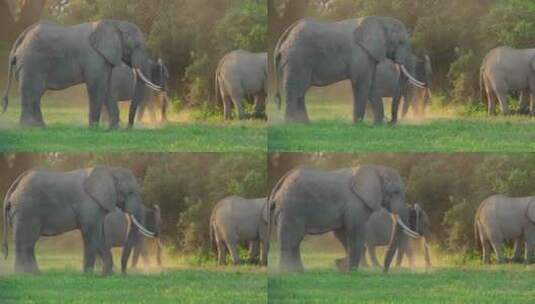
[(499, 219), (391, 82), (240, 74), (116, 232), (379, 233), (126, 87), (235, 220)]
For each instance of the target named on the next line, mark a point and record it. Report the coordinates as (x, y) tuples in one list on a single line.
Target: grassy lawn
[(331, 130), (444, 283), (67, 131), (183, 280)]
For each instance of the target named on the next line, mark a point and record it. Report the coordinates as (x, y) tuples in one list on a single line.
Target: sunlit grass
[(67, 131), (443, 130), (446, 282), (181, 280)]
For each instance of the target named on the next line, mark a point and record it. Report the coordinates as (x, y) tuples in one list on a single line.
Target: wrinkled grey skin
[(505, 70), (499, 219), (240, 74), (48, 56), (308, 202), (379, 233), (392, 83), (124, 84), (236, 220), (315, 53), (48, 203), (116, 233)]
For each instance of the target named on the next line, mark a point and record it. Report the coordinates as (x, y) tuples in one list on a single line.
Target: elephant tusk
[(408, 231), (412, 80), (147, 81), (140, 227)]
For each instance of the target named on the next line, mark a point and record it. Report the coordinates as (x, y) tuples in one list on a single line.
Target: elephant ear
[(370, 35), (107, 41), (531, 211), (100, 186), (367, 185)]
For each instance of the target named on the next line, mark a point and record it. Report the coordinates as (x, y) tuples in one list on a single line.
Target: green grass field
[(67, 131), (182, 280), (444, 283), (331, 130)]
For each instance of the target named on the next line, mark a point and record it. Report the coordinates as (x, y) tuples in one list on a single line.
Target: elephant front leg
[(97, 91), (377, 104), (355, 238), (361, 92), (31, 89)]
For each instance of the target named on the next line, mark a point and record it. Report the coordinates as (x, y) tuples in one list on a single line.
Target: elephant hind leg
[(486, 248), (221, 253), (32, 89), (491, 97), (26, 235), (290, 233), (498, 249), (232, 246), (237, 100), (227, 108)]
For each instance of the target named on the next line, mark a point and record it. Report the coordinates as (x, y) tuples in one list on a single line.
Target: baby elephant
[(116, 227), (499, 219), (379, 233), (235, 220)]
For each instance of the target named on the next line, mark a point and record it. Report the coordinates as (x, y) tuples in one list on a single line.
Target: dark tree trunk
[(10, 25)]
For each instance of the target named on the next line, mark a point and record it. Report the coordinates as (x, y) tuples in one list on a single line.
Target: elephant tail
[(5, 248), (277, 56), (218, 96), (213, 244), (6, 212), (11, 63), (271, 201), (482, 88)]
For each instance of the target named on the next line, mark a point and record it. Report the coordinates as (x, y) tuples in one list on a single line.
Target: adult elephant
[(240, 74), (391, 82), (116, 226), (315, 53), (48, 203), (505, 70), (124, 82), (48, 56), (499, 219), (379, 230), (236, 220), (308, 202)]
